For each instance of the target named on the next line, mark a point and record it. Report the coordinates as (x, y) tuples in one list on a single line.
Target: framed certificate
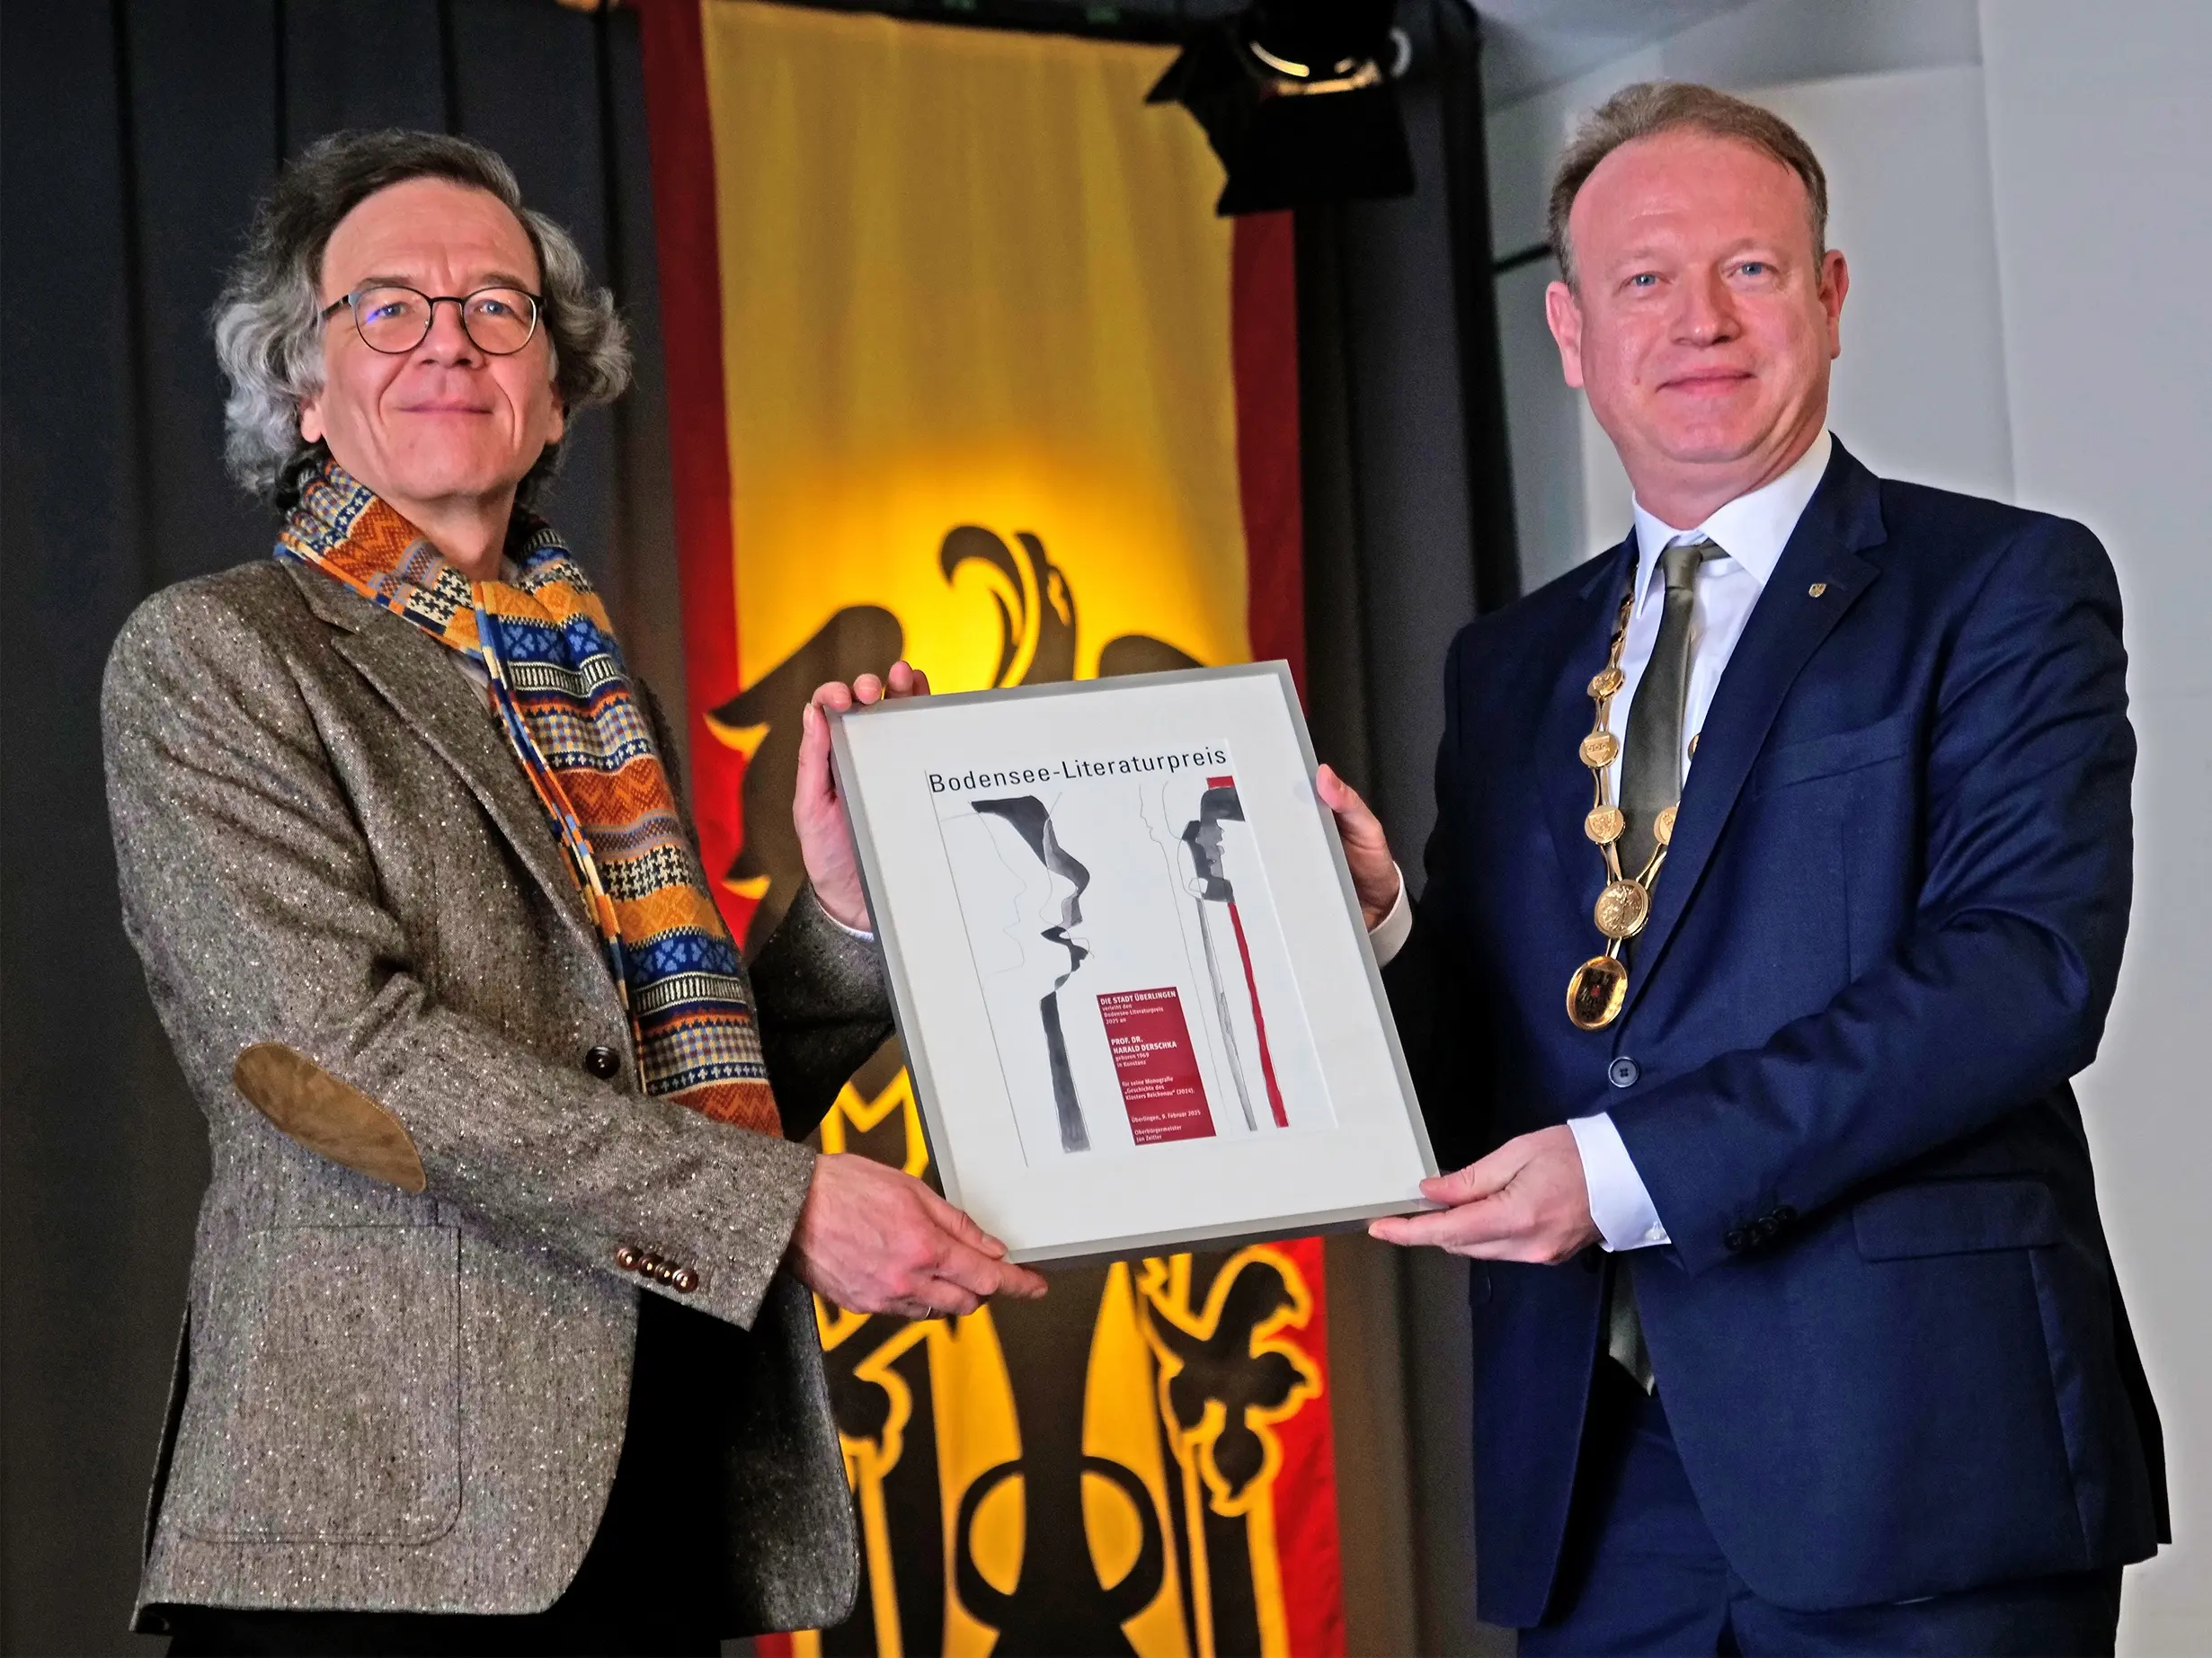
[(1137, 1001)]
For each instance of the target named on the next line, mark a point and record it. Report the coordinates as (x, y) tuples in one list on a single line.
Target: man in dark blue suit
[(1779, 885)]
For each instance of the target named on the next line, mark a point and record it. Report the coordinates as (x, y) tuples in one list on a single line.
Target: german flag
[(962, 367)]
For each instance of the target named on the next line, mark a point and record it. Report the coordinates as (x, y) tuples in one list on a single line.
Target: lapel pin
[(1817, 589)]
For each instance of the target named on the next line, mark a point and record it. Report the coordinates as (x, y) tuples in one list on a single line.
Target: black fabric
[(1409, 534), (1407, 492), (135, 139)]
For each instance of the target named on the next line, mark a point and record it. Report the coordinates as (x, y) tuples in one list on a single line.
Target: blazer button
[(603, 1062), (1623, 1072), (1784, 1215), (1737, 1239), (685, 1280), (626, 1257)]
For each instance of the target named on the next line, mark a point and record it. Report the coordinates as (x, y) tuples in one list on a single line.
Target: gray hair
[(1649, 108), (268, 326)]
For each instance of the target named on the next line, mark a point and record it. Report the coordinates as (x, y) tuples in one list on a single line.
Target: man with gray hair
[(1795, 1327), (498, 1337)]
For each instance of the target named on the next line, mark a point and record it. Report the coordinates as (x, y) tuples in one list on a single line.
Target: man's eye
[(1755, 267), (494, 307), (383, 313), (1644, 278)]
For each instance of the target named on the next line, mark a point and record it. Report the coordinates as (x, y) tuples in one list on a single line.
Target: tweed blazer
[(414, 1285)]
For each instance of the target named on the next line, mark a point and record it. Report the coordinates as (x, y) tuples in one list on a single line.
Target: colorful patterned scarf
[(558, 680)]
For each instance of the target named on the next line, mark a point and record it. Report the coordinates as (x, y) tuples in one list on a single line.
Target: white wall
[(2100, 140), (2024, 190)]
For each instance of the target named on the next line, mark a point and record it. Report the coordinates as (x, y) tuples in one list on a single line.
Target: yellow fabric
[(970, 277), (922, 330)]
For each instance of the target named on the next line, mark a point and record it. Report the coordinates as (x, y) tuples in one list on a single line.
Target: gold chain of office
[(1600, 986)]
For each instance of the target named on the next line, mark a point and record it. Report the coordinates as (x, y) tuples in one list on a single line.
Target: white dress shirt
[(1751, 532)]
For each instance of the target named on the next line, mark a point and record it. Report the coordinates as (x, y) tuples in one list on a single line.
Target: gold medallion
[(1596, 993), (1600, 748), (1607, 684), (1663, 825), (1605, 824), (1622, 909)]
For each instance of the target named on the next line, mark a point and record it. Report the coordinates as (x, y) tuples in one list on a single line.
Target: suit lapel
[(1565, 719), (1785, 628), (431, 692)]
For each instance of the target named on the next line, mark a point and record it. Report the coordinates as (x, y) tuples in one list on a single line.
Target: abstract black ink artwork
[(1210, 884), (1129, 954), (1029, 818)]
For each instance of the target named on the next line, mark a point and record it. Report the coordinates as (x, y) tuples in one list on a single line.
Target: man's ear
[(1834, 283), (311, 428), (1563, 311), (560, 419)]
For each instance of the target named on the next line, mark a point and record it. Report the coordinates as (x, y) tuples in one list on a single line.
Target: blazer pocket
[(1835, 754), (335, 1385), (1955, 1217)]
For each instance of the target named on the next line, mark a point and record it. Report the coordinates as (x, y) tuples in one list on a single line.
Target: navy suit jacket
[(1887, 1330)]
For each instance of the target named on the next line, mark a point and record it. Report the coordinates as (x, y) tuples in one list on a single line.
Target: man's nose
[(448, 340), (1708, 314)]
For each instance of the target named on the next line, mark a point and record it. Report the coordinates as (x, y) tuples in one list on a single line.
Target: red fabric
[(1264, 341), (681, 135), (1264, 332), (1305, 1490)]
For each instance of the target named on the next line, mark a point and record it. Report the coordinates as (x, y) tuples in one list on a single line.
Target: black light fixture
[(1295, 97)]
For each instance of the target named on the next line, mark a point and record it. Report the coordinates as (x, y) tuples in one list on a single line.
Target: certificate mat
[(1127, 958)]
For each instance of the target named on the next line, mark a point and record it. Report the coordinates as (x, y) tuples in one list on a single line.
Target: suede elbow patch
[(330, 1118)]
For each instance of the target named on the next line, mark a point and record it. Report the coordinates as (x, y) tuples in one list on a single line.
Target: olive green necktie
[(1650, 782), (1651, 757)]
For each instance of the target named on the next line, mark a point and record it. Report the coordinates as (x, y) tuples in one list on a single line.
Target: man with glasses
[(498, 1337)]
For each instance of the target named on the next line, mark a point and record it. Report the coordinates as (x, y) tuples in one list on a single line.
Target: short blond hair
[(1649, 108)]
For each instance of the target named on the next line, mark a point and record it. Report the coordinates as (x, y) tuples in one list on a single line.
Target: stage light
[(1295, 97)]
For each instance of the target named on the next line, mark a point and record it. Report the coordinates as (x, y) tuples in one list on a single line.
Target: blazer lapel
[(432, 693), (1786, 627), (1565, 780)]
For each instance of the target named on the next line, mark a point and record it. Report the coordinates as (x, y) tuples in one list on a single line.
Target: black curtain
[(1408, 500), (1409, 534), (135, 139)]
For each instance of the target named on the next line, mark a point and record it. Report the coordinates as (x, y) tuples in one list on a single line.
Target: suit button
[(685, 1280), (1784, 1215), (1623, 1072), (626, 1258), (1738, 1238), (603, 1062)]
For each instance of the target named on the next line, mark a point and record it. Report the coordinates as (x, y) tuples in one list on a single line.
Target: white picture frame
[(1139, 1008)]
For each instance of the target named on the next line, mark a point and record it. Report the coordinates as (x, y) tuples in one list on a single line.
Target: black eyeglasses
[(395, 320)]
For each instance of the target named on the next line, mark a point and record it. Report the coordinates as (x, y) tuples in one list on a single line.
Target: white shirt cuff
[(860, 933), (1619, 1202), (1388, 934)]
